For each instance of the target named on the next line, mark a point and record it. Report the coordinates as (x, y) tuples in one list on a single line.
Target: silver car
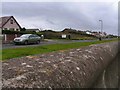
[(27, 39)]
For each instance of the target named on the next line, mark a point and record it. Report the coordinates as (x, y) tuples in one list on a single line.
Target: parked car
[(27, 39)]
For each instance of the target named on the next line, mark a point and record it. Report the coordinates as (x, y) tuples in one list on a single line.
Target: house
[(9, 23), (87, 32), (99, 34)]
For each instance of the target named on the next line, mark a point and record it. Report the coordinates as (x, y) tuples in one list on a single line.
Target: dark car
[(27, 39)]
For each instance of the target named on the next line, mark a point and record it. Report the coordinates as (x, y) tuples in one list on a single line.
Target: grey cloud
[(59, 15)]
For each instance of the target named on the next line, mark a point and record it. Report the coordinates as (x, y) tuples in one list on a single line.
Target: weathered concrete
[(75, 68), (109, 78)]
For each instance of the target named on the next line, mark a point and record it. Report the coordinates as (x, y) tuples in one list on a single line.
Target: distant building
[(33, 30), (88, 33), (103, 34), (97, 34), (64, 36), (9, 23)]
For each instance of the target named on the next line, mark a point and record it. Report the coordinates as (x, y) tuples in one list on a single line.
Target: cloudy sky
[(60, 15)]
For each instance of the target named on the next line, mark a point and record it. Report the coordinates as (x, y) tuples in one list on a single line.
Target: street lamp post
[(101, 28), (101, 25)]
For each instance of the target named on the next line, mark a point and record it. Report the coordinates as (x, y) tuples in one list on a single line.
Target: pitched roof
[(4, 20)]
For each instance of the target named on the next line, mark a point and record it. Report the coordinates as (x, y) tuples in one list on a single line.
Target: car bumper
[(18, 42)]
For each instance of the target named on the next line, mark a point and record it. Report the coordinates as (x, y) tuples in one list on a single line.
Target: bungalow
[(9, 23)]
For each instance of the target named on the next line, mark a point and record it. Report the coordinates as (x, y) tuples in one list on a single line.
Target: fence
[(8, 38)]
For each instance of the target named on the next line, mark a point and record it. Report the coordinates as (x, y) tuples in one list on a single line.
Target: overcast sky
[(60, 15)]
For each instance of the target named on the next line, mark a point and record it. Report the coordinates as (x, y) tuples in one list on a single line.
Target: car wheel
[(38, 42), (26, 42)]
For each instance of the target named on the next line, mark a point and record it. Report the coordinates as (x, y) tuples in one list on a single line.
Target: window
[(5, 29), (11, 21), (17, 29), (12, 29)]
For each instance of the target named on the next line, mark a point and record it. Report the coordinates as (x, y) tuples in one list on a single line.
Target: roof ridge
[(6, 16), (5, 19)]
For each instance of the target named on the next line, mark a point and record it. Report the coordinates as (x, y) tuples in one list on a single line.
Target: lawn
[(19, 52)]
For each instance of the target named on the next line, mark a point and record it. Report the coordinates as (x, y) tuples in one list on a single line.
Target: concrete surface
[(109, 78)]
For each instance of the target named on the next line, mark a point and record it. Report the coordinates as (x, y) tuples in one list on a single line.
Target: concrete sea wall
[(85, 67)]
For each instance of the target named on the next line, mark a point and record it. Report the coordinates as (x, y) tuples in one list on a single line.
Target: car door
[(36, 38), (31, 39)]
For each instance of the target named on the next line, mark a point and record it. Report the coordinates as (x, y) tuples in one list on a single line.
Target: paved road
[(5, 46)]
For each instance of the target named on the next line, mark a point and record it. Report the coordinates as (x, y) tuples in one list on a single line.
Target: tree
[(23, 29)]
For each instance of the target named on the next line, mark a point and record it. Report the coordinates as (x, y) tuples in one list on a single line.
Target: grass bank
[(25, 51)]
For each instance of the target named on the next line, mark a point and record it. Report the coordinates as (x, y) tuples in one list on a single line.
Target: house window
[(12, 29), (11, 21), (5, 29), (17, 29)]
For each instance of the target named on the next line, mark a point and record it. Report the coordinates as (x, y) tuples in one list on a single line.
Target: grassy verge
[(18, 52)]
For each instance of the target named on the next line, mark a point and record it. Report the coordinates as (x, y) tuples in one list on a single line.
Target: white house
[(9, 23)]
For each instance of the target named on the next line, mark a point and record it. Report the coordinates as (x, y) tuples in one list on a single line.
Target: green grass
[(19, 52)]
